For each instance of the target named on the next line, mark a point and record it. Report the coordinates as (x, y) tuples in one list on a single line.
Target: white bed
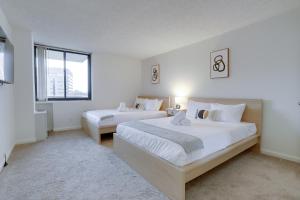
[(214, 135), (166, 165), (98, 122), (113, 117)]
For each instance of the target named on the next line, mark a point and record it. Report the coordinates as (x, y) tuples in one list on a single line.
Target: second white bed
[(214, 135), (112, 117)]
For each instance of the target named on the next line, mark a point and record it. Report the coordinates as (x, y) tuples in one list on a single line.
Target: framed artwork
[(155, 74), (219, 64)]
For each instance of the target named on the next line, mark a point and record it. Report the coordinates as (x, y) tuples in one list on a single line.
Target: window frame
[(65, 51)]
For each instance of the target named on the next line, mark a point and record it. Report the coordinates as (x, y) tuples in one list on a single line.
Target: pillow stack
[(148, 104), (215, 112), (139, 104)]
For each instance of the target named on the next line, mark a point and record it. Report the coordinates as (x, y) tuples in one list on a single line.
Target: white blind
[(41, 73)]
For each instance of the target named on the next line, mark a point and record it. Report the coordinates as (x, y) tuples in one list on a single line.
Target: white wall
[(7, 135), (24, 86), (115, 79), (264, 64), (16, 100)]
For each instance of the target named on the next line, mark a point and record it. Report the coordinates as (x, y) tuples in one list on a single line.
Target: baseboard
[(67, 128), (280, 155), (26, 141)]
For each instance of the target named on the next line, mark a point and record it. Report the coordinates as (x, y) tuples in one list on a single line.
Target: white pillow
[(193, 106), (228, 113), (140, 103), (209, 115), (151, 104)]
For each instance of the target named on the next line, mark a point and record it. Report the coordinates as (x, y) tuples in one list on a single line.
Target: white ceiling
[(136, 28)]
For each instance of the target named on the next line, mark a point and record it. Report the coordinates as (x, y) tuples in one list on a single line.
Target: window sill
[(43, 102), (70, 99), (60, 100)]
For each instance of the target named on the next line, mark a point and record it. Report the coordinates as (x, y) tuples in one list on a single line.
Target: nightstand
[(173, 111)]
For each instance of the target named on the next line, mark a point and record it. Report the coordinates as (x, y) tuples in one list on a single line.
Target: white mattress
[(215, 136), (119, 117)]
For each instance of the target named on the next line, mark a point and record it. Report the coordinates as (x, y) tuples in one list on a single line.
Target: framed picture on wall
[(155, 74), (219, 64)]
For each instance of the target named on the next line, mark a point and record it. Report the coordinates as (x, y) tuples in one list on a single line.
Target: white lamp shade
[(182, 101)]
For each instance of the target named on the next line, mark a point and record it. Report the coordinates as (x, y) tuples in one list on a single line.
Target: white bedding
[(215, 136), (102, 118)]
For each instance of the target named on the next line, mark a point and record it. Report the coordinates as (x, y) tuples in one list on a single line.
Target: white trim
[(67, 128), (26, 140), (1, 165), (7, 157), (280, 155)]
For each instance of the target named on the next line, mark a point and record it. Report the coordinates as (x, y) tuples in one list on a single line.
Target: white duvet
[(113, 117), (215, 136)]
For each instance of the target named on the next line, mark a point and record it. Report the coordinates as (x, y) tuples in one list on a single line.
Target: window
[(68, 74)]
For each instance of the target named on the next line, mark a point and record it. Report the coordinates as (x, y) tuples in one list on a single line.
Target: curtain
[(41, 73)]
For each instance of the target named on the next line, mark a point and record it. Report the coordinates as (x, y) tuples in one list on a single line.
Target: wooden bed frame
[(95, 132), (171, 179)]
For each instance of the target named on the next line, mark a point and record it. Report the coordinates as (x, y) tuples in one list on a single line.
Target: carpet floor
[(72, 166)]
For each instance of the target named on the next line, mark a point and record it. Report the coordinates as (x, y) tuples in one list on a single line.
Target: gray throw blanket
[(188, 142)]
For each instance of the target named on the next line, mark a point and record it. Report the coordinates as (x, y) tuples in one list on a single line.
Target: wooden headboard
[(253, 111), (165, 104)]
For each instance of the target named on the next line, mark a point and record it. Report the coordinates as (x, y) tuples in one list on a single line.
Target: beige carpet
[(72, 166)]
